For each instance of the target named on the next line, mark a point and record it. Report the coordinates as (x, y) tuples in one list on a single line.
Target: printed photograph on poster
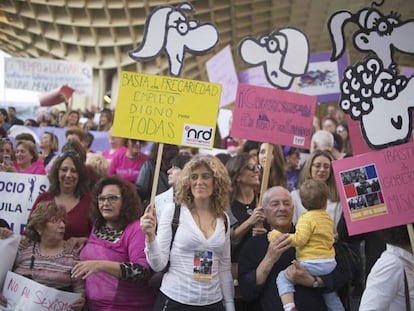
[(363, 192), (376, 188)]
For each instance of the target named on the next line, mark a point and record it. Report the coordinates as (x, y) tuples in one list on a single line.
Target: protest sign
[(167, 110), (323, 77), (220, 69), (18, 192), (273, 116), (8, 251), (27, 295), (43, 75), (376, 188)]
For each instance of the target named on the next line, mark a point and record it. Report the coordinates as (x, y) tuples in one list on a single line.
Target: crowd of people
[(216, 240)]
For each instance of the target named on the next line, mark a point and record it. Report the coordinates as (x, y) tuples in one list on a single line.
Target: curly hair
[(44, 211), (83, 177), (131, 208), (330, 182), (221, 183), (234, 168)]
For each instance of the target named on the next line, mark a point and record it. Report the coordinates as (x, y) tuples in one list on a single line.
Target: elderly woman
[(69, 187), (199, 273), (113, 260), (26, 159), (45, 257)]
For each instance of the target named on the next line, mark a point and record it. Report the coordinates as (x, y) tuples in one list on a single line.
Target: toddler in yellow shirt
[(313, 239)]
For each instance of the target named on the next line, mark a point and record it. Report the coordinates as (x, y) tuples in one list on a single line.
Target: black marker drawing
[(372, 91), (284, 54), (168, 29)]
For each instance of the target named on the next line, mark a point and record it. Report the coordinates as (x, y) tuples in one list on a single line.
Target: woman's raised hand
[(149, 223)]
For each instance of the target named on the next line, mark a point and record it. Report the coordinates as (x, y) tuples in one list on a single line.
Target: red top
[(77, 222)]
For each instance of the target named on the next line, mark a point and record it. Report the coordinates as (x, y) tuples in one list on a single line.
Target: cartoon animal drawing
[(371, 90), (284, 54), (168, 29)]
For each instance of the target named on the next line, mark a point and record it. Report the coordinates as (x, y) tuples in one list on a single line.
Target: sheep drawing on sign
[(372, 91), (168, 29), (284, 54)]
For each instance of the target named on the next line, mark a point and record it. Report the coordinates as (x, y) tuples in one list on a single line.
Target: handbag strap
[(174, 226), (175, 222), (407, 293)]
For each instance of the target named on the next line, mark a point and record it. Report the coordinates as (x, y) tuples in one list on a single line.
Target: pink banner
[(376, 188), (273, 116)]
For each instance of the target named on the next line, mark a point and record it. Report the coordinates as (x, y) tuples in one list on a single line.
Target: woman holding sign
[(45, 257), (113, 260), (199, 273)]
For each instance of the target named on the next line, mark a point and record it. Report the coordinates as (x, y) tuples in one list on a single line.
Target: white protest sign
[(8, 251), (24, 294), (43, 75), (18, 192)]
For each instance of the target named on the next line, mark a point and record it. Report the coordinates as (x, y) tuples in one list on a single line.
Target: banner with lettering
[(273, 116), (167, 110), (376, 188), (220, 69), (23, 294), (43, 75), (17, 195)]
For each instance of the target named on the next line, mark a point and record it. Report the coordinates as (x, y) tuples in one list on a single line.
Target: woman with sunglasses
[(244, 174), (44, 256), (113, 262), (69, 187), (49, 145)]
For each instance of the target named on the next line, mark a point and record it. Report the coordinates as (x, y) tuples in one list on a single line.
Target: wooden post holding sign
[(265, 178), (156, 175)]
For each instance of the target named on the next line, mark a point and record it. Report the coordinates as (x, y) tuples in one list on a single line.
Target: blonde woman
[(199, 274)]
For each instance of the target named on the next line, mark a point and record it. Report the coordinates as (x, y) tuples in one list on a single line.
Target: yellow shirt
[(313, 237)]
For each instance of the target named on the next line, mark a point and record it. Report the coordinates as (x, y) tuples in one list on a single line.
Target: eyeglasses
[(55, 220), (2, 139), (253, 167), (319, 166), (112, 198)]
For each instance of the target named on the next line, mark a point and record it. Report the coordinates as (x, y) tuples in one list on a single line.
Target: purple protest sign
[(220, 69)]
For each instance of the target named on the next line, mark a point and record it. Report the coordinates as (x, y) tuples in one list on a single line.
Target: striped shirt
[(52, 271)]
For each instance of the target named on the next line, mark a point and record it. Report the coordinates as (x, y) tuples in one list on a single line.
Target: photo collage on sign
[(363, 192)]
